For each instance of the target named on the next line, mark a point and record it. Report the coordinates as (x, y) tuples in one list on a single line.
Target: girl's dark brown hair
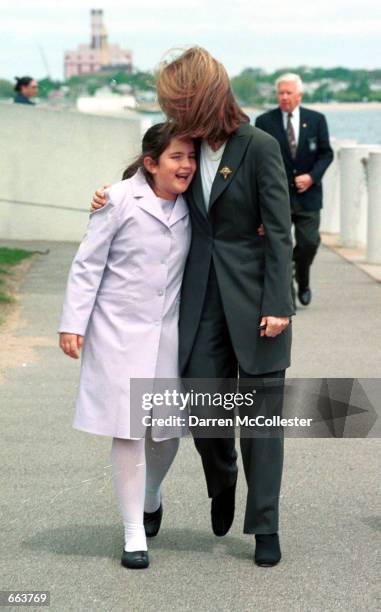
[(156, 139), (194, 92)]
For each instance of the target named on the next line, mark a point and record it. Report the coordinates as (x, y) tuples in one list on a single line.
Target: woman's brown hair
[(194, 92)]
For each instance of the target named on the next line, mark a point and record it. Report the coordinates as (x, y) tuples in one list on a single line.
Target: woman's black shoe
[(137, 559), (267, 549), (222, 511), (152, 522)]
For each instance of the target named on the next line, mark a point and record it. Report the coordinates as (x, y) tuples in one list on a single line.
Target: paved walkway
[(60, 526)]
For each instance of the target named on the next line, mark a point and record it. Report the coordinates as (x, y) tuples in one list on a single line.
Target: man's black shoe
[(152, 522), (222, 511), (304, 295), (267, 549), (137, 559)]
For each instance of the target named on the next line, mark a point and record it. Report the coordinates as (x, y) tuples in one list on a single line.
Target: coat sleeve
[(275, 210), (87, 270), (324, 151)]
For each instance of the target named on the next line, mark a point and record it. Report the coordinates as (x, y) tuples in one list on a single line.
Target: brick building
[(99, 55)]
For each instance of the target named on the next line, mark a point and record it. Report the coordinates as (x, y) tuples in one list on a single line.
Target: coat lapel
[(180, 210), (146, 199), (282, 139), (302, 131), (231, 160)]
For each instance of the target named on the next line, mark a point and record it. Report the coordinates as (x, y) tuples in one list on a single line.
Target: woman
[(25, 88), (122, 305), (243, 297)]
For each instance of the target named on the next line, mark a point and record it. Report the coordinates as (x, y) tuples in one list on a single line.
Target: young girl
[(122, 306)]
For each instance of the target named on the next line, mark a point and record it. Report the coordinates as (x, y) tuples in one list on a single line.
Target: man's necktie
[(291, 136)]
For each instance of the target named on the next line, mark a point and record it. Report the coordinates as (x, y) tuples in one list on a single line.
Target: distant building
[(99, 55), (105, 102)]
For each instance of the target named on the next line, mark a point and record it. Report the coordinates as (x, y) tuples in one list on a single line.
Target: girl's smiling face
[(174, 170)]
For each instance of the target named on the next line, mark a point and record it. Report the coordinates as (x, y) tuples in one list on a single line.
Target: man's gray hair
[(290, 77)]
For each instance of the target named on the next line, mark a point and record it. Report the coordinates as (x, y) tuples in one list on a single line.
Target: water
[(363, 125)]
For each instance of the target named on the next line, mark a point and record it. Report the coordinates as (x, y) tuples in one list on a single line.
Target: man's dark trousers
[(212, 357), (307, 238)]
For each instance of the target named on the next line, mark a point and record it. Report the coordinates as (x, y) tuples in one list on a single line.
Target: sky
[(266, 34)]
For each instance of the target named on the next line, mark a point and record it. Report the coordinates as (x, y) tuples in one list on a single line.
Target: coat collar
[(282, 136), (148, 201), (231, 159)]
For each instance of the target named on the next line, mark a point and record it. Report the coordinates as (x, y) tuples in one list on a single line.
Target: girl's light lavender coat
[(123, 295)]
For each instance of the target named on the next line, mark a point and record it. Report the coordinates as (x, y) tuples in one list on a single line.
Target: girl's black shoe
[(137, 559)]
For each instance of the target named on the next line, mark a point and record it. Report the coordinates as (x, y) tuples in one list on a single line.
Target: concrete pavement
[(60, 525)]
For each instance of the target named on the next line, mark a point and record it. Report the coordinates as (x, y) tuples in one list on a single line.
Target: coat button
[(160, 292)]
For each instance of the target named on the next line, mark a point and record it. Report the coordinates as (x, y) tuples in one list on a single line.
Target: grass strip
[(11, 257), (8, 258)]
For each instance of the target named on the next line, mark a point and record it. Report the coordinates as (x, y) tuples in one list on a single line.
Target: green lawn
[(9, 258)]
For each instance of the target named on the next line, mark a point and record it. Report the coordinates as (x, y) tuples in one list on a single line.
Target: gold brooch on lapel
[(225, 172), (304, 125)]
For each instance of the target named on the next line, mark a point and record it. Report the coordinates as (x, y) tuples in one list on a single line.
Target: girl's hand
[(261, 230), (71, 344), (99, 199)]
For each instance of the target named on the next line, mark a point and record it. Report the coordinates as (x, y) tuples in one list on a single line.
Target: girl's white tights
[(131, 461)]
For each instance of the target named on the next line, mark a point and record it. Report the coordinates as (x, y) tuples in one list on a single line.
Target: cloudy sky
[(241, 33)]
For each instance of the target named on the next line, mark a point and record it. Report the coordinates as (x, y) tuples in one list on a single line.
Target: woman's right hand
[(99, 198), (71, 344)]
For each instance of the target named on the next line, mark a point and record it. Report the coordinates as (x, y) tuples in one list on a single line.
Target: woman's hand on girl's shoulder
[(99, 198), (71, 344)]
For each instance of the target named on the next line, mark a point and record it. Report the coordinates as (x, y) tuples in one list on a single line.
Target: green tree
[(6, 89), (245, 87), (45, 86)]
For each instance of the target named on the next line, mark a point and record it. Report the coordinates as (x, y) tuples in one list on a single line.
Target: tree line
[(253, 86)]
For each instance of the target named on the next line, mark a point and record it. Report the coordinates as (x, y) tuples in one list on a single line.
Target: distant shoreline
[(327, 106)]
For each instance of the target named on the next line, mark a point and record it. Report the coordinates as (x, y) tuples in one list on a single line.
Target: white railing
[(352, 197)]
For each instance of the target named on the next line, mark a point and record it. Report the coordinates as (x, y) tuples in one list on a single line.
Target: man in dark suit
[(306, 151)]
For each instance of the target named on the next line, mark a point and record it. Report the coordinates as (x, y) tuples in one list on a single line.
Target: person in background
[(25, 88), (306, 151)]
